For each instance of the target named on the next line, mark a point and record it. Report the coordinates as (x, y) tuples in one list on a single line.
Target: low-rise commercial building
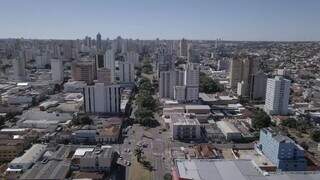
[(185, 127), (229, 130)]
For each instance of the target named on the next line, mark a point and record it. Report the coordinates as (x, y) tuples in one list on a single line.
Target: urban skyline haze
[(286, 20)]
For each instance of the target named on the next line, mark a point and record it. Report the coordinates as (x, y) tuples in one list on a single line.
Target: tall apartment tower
[(99, 45), (168, 81), (83, 71), (57, 73), (126, 72), (101, 98), (132, 57), (242, 69), (192, 73), (19, 69), (99, 60), (109, 63), (258, 86), (277, 96), (183, 48)]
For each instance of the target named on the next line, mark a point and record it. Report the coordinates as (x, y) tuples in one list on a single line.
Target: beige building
[(83, 71), (104, 75), (10, 149)]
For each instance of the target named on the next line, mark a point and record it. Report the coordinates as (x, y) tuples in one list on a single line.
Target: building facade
[(101, 98), (277, 96), (282, 151), (57, 70)]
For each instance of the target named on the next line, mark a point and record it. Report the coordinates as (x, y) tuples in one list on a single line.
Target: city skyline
[(245, 20)]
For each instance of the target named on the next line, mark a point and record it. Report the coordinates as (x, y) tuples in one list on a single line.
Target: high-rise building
[(110, 63), (192, 55), (192, 75), (101, 98), (19, 67), (126, 72), (83, 71), (99, 60), (277, 96), (258, 86), (57, 73), (183, 48), (132, 57), (104, 75), (282, 151), (242, 68), (99, 46), (168, 81), (180, 85)]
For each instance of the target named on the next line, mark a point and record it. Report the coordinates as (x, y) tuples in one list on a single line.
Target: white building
[(192, 73), (180, 93), (185, 126), (277, 96), (101, 98), (25, 161), (94, 159), (126, 72), (57, 70), (168, 81), (132, 57), (229, 130), (110, 63)]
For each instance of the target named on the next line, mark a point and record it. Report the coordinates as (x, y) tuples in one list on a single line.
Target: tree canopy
[(260, 120), (208, 85), (315, 135), (146, 66)]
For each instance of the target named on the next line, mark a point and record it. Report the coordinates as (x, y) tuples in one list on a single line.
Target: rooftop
[(53, 169), (184, 119), (208, 169)]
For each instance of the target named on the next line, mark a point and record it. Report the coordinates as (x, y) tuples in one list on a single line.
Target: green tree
[(167, 176), (315, 135), (2, 120), (290, 122), (82, 120), (146, 66), (260, 120), (208, 85)]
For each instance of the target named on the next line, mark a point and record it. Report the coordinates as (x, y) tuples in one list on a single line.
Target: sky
[(252, 20)]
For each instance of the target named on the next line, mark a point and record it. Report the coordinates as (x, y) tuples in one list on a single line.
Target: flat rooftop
[(184, 119), (259, 159), (53, 169), (208, 169)]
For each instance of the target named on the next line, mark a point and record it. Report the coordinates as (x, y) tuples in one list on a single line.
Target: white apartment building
[(57, 70), (185, 126), (101, 98), (277, 96), (126, 72), (110, 63)]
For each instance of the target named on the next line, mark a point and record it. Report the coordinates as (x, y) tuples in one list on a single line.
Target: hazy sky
[(166, 19)]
